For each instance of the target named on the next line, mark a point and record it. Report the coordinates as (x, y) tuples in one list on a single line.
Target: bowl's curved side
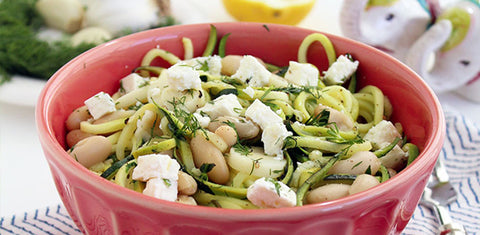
[(99, 206)]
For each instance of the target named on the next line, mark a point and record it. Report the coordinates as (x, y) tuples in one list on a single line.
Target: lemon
[(289, 12)]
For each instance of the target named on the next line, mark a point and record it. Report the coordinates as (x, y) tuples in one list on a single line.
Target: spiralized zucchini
[(323, 126)]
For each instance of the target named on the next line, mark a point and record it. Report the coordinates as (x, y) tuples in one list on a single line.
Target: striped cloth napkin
[(461, 154)]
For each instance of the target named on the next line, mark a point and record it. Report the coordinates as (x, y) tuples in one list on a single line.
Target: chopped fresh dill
[(242, 149), (276, 185), (254, 164), (144, 84), (334, 136), (167, 182), (23, 52), (358, 163), (262, 98), (204, 169), (296, 90), (321, 119), (266, 27), (231, 81), (189, 121), (203, 65)]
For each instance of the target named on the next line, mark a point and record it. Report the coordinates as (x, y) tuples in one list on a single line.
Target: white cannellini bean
[(228, 134), (342, 120), (362, 183), (76, 117), (186, 184), (91, 150), (357, 164), (204, 152), (74, 136), (230, 64), (186, 200), (327, 192), (246, 129)]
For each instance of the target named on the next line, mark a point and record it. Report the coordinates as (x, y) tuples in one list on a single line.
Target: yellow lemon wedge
[(289, 12)]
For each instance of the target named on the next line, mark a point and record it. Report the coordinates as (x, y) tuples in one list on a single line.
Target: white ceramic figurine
[(454, 42), (390, 25), (445, 52)]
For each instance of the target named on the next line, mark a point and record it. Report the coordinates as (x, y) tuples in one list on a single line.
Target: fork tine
[(444, 193), (438, 195), (441, 171)]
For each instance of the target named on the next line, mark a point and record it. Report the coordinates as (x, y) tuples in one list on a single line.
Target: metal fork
[(437, 195)]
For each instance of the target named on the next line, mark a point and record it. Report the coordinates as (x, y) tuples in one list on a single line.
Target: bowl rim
[(58, 153)]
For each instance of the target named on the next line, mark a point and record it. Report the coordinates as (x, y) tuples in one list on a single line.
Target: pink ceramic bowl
[(100, 207)]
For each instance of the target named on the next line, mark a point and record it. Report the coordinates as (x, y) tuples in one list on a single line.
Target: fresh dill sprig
[(321, 119), (242, 149), (334, 136), (190, 122), (313, 90), (232, 81), (204, 169), (21, 52), (203, 65)]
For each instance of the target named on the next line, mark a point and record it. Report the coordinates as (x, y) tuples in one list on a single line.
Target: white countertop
[(25, 180)]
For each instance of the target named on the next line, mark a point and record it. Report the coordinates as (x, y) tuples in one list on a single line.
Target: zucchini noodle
[(156, 52), (104, 128), (327, 45), (227, 135), (371, 106), (125, 138), (188, 48)]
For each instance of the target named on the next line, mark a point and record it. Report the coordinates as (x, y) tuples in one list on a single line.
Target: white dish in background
[(21, 90)]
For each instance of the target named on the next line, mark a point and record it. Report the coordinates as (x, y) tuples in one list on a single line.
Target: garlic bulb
[(65, 15), (120, 16)]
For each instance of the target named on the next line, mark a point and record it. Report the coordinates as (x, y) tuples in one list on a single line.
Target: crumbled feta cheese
[(162, 188), (155, 166), (274, 131), (132, 82), (302, 74), (181, 77), (382, 134), (269, 193), (161, 174), (251, 71), (249, 91), (225, 105), (202, 121), (273, 138), (100, 104), (261, 114), (210, 64), (340, 70)]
